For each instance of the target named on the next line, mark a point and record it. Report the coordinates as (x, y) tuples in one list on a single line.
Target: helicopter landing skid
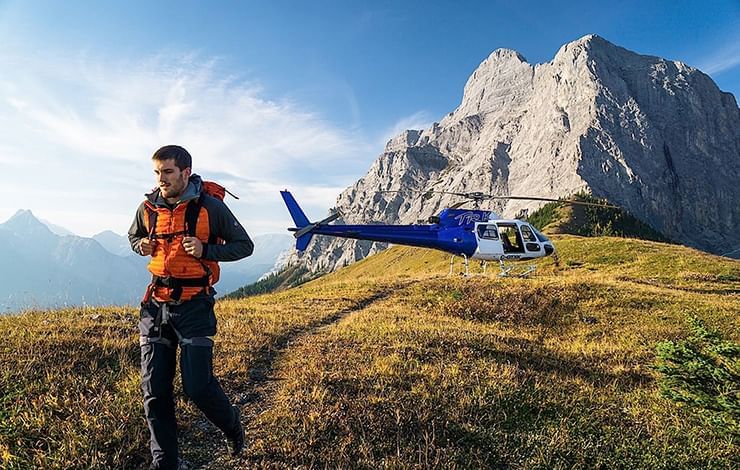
[(465, 259), (506, 270), (512, 271)]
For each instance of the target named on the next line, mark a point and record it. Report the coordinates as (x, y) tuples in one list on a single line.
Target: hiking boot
[(181, 465), (236, 440)]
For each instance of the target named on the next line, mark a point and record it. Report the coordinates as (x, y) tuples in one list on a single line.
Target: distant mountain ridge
[(115, 243), (654, 136), (41, 269), (268, 250)]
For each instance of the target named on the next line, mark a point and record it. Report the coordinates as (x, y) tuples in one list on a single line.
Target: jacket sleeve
[(223, 224), (137, 231)]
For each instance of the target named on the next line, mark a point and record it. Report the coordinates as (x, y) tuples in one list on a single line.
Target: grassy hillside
[(590, 221), (289, 276), (390, 362)]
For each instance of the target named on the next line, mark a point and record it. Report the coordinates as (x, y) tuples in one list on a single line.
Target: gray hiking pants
[(191, 325)]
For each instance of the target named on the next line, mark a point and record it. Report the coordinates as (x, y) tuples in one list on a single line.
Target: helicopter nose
[(548, 249)]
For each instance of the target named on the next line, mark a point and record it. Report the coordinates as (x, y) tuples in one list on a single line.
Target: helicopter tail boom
[(304, 228)]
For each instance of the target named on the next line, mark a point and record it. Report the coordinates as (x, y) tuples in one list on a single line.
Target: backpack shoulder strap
[(191, 215), (191, 221), (152, 219)]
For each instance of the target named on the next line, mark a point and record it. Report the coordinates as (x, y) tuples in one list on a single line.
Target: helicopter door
[(489, 243), (511, 240)]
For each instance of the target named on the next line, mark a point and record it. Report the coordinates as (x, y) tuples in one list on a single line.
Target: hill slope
[(591, 221), (392, 362)]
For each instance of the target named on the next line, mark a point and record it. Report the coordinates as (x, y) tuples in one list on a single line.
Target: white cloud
[(718, 63), (77, 135), (724, 58)]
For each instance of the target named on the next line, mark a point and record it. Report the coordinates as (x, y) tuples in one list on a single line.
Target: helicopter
[(469, 233)]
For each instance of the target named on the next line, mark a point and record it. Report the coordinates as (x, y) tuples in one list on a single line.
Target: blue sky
[(273, 95)]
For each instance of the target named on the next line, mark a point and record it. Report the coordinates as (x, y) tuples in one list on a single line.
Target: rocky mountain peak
[(590, 43), (500, 81), (499, 59), (403, 140), (22, 215), (24, 221), (652, 135)]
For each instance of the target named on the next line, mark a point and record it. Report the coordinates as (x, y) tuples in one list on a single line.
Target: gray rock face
[(651, 135)]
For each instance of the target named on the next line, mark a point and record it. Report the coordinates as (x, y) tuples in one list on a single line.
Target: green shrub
[(703, 372), (545, 215)]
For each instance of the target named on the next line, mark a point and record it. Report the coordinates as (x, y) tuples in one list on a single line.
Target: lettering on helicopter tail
[(469, 217), (512, 256)]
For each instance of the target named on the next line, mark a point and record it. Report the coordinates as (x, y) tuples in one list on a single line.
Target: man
[(186, 232)]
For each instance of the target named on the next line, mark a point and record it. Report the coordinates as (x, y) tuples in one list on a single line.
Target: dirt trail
[(203, 445)]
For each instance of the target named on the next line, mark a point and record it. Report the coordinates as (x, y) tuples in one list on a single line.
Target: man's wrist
[(204, 252)]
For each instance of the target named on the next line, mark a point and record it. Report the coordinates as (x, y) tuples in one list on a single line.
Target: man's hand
[(193, 246), (146, 247)]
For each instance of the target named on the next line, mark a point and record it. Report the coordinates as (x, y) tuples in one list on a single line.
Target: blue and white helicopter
[(469, 233)]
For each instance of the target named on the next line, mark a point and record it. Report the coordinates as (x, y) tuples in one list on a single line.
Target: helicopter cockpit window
[(487, 232), (527, 234), (540, 237)]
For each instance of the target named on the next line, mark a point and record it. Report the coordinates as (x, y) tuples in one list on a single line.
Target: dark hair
[(174, 152)]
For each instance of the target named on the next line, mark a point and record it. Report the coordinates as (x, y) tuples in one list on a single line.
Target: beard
[(175, 189)]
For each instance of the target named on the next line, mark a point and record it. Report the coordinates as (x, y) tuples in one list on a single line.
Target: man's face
[(171, 180)]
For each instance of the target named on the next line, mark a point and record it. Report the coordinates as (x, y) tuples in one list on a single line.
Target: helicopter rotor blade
[(564, 201), (467, 195), (428, 193), (424, 194), (405, 191), (478, 196), (402, 191)]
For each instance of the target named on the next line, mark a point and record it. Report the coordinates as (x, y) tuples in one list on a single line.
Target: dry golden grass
[(68, 386), (431, 377), (390, 362)]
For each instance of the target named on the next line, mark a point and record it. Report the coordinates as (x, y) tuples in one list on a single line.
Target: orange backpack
[(216, 190)]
